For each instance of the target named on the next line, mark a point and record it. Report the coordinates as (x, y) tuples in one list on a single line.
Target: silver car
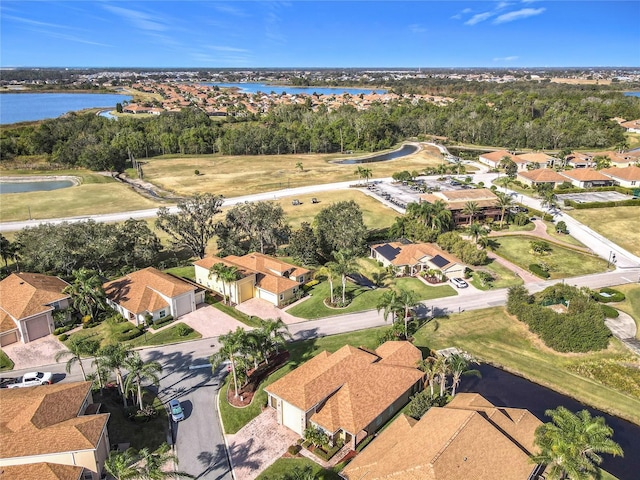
[(460, 283), (177, 414)]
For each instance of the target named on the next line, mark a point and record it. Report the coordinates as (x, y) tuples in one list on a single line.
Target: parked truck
[(30, 379)]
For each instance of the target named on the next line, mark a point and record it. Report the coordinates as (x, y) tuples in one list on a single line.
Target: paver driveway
[(34, 354), (263, 309), (258, 444), (211, 322)]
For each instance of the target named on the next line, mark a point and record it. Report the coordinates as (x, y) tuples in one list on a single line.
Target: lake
[(506, 390), (34, 186), (264, 88), (405, 150), (632, 94), (26, 107)]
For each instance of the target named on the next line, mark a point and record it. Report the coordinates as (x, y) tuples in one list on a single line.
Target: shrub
[(183, 330), (294, 450), (197, 172), (90, 324), (609, 312), (538, 270), (63, 337), (611, 295), (129, 334), (521, 219), (163, 321), (60, 330), (561, 227), (310, 284)]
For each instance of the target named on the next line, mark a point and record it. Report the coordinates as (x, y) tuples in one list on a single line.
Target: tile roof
[(357, 385), (472, 194), (497, 156), (400, 254), (265, 263), (6, 322), (469, 438), (536, 157), (42, 420), (140, 291), (209, 262), (585, 174), (542, 175), (626, 173), (25, 294), (41, 471)]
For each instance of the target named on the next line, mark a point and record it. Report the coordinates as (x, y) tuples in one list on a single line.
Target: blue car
[(177, 414)]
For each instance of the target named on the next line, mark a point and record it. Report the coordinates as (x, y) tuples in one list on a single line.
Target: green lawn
[(562, 237), (283, 466), (564, 262), (363, 298), (619, 224), (503, 277), (164, 337), (631, 304), (188, 272), (6, 363)]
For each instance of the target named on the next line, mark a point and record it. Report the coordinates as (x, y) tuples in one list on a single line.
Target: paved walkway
[(624, 329), (211, 322), (35, 354), (258, 444)]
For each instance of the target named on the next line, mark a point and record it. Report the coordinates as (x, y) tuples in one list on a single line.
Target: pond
[(277, 89), (504, 389), (402, 152), (34, 186)]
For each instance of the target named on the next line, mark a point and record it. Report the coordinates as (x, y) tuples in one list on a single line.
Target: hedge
[(537, 270), (63, 337), (613, 295), (626, 191), (129, 334), (60, 330), (609, 312), (160, 322), (619, 203), (537, 213)]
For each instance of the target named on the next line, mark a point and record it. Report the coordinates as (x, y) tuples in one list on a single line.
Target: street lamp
[(612, 258)]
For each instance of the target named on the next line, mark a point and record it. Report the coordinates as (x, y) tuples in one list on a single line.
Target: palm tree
[(78, 347), (344, 264), (472, 209), (363, 173), (299, 166), (276, 331), (549, 199), (389, 304), (121, 465), (114, 357), (571, 443), (87, 294), (422, 211), (442, 367), (231, 345), (153, 465), (226, 275), (441, 217), (476, 231), (430, 369), (5, 249), (459, 366), (504, 202), (408, 301), (139, 371)]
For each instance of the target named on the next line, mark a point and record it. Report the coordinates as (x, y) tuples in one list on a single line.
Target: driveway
[(211, 322), (258, 444), (263, 309), (35, 354)]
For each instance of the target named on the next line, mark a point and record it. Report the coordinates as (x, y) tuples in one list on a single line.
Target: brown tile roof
[(44, 419), (497, 156), (412, 253), (357, 385), (140, 291), (457, 199), (542, 175), (41, 471), (585, 174), (626, 173), (6, 322), (25, 294), (469, 438), (265, 263), (631, 124), (209, 262)]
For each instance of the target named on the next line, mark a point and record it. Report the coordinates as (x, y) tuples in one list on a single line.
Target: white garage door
[(184, 305), (292, 418), (270, 297), (37, 328), (8, 338)]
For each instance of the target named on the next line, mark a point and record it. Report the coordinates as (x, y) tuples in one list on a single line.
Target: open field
[(564, 262), (619, 224), (234, 176), (96, 194), (562, 237), (503, 277)]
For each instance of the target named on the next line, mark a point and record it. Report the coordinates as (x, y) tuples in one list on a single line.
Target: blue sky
[(301, 33)]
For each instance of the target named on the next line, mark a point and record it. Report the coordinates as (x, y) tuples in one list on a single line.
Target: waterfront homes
[(257, 276), (541, 176), (150, 294), (457, 201), (587, 178), (27, 302), (349, 394), (468, 438), (45, 428), (625, 177), (412, 258)]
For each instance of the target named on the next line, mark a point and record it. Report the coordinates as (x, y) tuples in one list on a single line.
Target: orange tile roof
[(44, 419), (140, 291), (626, 173), (585, 174), (542, 175), (498, 155), (356, 385), (412, 253), (469, 438), (25, 294), (41, 471)]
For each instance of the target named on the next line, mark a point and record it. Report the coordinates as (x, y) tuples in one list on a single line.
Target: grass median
[(619, 224)]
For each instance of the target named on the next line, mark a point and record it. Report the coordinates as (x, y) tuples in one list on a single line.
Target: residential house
[(412, 258), (42, 471), (625, 177), (258, 276), (579, 160), (27, 303), (587, 178), (533, 161), (622, 159), (493, 159), (632, 126), (457, 200), (469, 438), (349, 394), (44, 427), (541, 176), (150, 294)]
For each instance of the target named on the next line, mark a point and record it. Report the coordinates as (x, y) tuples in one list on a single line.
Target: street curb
[(224, 436)]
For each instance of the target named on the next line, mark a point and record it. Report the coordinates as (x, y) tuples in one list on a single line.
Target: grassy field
[(503, 277), (631, 304), (564, 261), (234, 176), (96, 194), (619, 224), (562, 237), (363, 298)]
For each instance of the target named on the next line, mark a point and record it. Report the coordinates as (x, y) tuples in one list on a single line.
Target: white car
[(460, 283), (177, 414), (32, 379)]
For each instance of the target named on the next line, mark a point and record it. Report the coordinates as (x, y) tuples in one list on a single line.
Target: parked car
[(31, 379), (315, 200), (459, 282), (177, 414), (295, 202)]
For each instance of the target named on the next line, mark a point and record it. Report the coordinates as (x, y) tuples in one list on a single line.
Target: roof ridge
[(455, 434)]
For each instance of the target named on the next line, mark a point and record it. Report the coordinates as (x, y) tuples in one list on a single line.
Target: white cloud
[(479, 17), (228, 9), (518, 15), (141, 20), (417, 28), (506, 59), (219, 48)]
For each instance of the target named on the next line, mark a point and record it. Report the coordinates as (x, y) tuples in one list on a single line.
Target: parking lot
[(594, 197), (403, 193)]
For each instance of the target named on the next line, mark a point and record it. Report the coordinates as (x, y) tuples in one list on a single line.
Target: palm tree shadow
[(211, 460)]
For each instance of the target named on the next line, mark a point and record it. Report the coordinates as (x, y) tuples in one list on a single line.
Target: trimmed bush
[(183, 330), (310, 284), (609, 312), (63, 337), (294, 450), (129, 334), (538, 270), (61, 330), (611, 295), (160, 322)]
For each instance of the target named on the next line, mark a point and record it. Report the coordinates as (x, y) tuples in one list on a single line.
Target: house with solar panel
[(413, 258)]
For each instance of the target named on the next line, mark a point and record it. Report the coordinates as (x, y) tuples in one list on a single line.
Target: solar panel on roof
[(387, 251), (439, 261)]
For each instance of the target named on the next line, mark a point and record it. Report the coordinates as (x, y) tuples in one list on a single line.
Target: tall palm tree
[(459, 366), (140, 371), (5, 249), (121, 465), (231, 345), (153, 464), (504, 202), (389, 304), (476, 231), (276, 331), (571, 443), (87, 294), (430, 369), (344, 264), (549, 199), (471, 208), (441, 217), (422, 211), (78, 347), (114, 357), (442, 367), (408, 301), (224, 274)]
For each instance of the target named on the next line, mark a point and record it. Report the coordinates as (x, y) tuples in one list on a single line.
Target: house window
[(633, 182), (282, 296), (163, 313)]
